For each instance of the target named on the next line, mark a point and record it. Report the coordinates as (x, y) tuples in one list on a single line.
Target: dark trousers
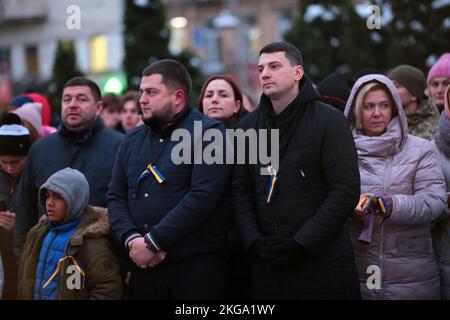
[(9, 265), (196, 278), (299, 282)]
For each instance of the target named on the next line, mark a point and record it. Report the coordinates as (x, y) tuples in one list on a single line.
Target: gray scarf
[(442, 137)]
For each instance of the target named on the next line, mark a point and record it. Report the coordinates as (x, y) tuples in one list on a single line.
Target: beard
[(159, 118)]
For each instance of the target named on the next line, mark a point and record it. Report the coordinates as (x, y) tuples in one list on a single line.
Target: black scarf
[(285, 121)]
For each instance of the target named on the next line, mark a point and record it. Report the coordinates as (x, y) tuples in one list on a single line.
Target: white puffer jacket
[(406, 168)]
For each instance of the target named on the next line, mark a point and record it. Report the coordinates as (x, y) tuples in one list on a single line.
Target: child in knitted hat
[(438, 79), (14, 145)]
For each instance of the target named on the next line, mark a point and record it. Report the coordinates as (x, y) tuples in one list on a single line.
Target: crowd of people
[(355, 206)]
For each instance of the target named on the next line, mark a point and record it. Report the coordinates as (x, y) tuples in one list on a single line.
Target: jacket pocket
[(414, 245)]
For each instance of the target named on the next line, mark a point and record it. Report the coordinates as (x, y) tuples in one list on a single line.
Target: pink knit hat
[(441, 68), (31, 112)]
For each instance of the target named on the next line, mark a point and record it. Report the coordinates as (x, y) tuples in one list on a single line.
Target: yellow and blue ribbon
[(152, 169), (382, 218), (58, 268), (273, 180)]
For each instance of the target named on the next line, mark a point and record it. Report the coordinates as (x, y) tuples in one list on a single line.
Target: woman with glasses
[(403, 191)]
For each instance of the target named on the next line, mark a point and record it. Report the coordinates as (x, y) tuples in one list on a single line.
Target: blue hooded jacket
[(73, 187)]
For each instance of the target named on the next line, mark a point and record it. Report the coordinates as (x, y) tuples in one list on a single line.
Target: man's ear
[(180, 97), (99, 106), (299, 72)]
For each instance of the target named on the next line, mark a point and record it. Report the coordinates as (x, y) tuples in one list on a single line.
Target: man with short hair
[(293, 220), (82, 143), (422, 115), (168, 215)]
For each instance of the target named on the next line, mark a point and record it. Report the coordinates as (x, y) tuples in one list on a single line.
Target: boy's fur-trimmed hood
[(94, 223)]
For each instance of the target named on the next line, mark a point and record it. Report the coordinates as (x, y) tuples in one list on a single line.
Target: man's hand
[(142, 256), (139, 252), (157, 259), (7, 220), (277, 251)]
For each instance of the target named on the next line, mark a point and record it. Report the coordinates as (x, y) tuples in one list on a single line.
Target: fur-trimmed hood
[(94, 223)]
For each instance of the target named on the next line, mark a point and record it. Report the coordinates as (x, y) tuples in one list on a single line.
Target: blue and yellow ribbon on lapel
[(273, 180), (152, 169)]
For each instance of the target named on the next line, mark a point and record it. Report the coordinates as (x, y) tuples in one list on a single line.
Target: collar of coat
[(84, 135), (307, 93), (93, 224), (169, 127)]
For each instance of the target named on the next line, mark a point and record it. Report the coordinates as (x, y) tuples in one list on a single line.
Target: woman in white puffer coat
[(395, 258)]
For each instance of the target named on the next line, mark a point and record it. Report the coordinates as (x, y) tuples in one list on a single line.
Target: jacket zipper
[(43, 267), (387, 172)]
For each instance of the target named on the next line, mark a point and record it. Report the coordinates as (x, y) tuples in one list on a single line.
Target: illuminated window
[(31, 60), (4, 61), (98, 52)]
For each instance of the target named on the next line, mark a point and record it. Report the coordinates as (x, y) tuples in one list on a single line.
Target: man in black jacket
[(293, 221), (165, 213), (82, 143)]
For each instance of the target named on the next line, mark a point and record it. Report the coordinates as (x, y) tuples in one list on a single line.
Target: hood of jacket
[(93, 224), (73, 187), (396, 133)]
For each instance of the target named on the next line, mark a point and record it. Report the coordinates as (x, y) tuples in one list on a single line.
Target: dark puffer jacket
[(182, 213), (315, 193)]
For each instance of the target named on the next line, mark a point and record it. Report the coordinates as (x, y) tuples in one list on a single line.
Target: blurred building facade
[(30, 31), (232, 44)]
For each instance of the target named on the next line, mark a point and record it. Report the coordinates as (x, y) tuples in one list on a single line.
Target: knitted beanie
[(14, 138), (334, 90), (411, 78), (32, 113), (440, 69)]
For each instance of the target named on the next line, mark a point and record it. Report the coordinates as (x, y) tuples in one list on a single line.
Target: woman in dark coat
[(221, 99)]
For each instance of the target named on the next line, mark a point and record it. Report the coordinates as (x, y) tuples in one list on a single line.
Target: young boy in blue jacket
[(67, 254)]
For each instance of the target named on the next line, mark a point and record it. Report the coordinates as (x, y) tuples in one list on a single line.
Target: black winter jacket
[(316, 191), (92, 152)]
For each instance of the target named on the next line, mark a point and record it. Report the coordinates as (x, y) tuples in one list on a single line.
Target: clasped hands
[(142, 256), (376, 205), (278, 251)]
